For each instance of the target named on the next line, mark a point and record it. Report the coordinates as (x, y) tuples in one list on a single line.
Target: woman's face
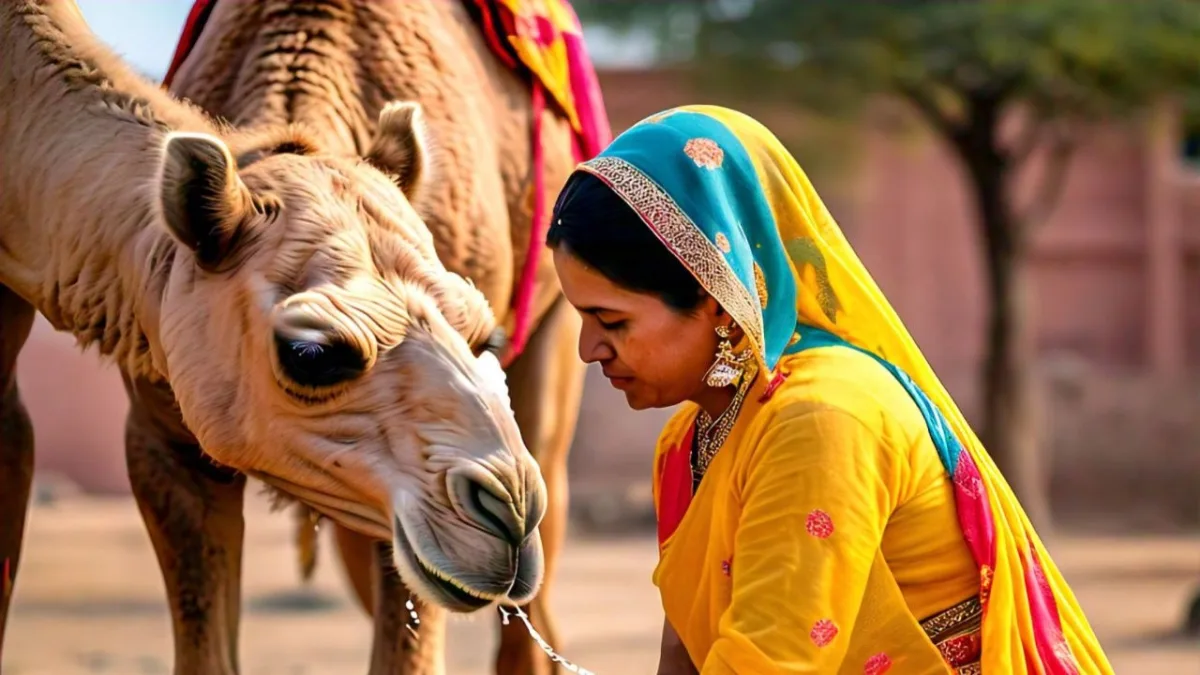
[(655, 354)]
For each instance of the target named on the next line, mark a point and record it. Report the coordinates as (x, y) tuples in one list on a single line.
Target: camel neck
[(81, 139)]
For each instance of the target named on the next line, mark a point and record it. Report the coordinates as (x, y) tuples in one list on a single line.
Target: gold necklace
[(711, 434)]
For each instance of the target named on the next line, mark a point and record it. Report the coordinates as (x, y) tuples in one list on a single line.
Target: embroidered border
[(956, 632), (669, 222)]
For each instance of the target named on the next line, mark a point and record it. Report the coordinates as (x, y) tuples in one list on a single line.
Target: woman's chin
[(637, 400)]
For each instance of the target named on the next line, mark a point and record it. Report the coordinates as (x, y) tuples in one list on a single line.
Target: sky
[(145, 32)]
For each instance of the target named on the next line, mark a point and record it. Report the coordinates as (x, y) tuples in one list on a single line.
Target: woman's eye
[(611, 325), (314, 364)]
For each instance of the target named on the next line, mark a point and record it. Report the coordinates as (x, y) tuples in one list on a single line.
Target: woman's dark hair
[(593, 223)]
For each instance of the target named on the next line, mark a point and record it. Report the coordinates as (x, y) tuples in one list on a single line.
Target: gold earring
[(728, 367)]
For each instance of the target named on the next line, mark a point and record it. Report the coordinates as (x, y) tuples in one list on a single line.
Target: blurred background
[(1021, 178)]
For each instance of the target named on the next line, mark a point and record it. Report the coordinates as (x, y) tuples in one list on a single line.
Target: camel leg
[(193, 512), (16, 446), (546, 385), (396, 649), (357, 553)]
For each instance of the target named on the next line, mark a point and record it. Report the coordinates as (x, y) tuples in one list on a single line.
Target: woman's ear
[(711, 309)]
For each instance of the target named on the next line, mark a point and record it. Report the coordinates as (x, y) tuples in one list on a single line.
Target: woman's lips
[(619, 382)]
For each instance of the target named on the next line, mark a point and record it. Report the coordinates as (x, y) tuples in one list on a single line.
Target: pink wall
[(78, 407)]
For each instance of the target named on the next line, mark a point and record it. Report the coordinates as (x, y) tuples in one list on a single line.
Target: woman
[(822, 504)]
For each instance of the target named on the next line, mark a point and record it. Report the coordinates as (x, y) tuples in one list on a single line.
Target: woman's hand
[(673, 658)]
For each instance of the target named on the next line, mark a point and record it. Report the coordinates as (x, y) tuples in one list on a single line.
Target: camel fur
[(276, 310)]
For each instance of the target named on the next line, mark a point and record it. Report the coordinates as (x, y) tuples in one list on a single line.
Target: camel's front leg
[(193, 511), (546, 384), (16, 446), (402, 646)]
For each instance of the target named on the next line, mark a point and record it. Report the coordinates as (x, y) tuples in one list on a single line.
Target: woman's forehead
[(590, 291)]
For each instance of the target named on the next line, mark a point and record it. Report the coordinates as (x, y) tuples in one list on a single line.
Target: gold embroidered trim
[(953, 620), (662, 215), (760, 285), (956, 632)]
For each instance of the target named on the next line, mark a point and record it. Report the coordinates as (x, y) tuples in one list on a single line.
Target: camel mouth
[(443, 589)]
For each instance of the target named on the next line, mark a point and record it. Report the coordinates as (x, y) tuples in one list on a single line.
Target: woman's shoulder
[(848, 382)]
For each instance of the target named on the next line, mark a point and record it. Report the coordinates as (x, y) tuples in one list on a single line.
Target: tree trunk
[(1011, 427)]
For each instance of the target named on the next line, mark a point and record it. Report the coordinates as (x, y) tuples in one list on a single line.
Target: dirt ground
[(90, 600)]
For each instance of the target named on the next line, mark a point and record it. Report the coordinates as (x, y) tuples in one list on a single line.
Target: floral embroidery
[(760, 285), (685, 239), (878, 664), (705, 153), (985, 583), (819, 524), (823, 632), (726, 568), (722, 242), (961, 650), (804, 253)]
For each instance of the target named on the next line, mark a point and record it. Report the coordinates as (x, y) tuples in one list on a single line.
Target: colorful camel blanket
[(543, 40)]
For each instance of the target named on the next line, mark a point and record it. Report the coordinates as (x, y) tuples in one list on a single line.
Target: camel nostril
[(494, 513)]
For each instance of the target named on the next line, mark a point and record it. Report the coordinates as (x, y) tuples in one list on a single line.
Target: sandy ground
[(90, 600)]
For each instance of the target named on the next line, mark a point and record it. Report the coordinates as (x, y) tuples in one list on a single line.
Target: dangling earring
[(728, 367)]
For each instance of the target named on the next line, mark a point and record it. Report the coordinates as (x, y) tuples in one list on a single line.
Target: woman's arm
[(815, 501), (673, 658)]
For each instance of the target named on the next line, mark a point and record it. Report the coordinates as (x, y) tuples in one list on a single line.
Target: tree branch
[(1058, 159), (922, 99)]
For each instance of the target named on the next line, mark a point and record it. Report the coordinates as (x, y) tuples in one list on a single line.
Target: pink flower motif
[(705, 153), (877, 665), (823, 632), (726, 568), (819, 524)]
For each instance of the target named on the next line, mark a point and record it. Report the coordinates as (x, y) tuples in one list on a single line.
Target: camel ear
[(204, 202), (401, 146)]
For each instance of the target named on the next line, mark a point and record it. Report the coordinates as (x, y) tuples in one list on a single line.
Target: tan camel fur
[(332, 65), (282, 308)]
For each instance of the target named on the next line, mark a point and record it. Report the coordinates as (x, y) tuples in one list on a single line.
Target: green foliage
[(953, 59)]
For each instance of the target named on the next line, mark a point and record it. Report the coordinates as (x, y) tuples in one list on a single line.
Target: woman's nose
[(593, 347)]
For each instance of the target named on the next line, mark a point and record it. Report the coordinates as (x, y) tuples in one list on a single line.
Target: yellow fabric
[(862, 316), (840, 436)]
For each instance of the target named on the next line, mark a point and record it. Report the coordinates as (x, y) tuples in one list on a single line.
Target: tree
[(972, 70)]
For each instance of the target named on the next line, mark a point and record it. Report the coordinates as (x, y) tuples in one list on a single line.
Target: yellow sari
[(848, 454)]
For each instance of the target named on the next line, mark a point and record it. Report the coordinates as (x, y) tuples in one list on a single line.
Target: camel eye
[(316, 364)]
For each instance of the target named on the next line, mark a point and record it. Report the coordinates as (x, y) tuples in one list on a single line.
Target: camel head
[(313, 340)]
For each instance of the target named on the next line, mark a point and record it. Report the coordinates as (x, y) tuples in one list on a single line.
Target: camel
[(332, 66), (276, 312)]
